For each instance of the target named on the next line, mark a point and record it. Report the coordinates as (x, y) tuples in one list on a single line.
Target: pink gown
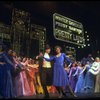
[(21, 85)]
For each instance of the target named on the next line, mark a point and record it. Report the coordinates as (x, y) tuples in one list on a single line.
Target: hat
[(47, 47)]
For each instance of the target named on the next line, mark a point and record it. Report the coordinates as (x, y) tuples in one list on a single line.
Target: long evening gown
[(31, 78), (88, 82), (80, 81), (60, 77), (21, 85), (72, 79), (6, 69)]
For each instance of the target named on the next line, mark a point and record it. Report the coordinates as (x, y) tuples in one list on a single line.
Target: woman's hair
[(58, 47)]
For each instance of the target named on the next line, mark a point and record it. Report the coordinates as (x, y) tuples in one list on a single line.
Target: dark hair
[(58, 47), (47, 47)]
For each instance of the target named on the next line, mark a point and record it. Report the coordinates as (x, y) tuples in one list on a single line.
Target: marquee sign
[(68, 30)]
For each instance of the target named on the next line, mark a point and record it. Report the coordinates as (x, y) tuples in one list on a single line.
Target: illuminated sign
[(68, 30)]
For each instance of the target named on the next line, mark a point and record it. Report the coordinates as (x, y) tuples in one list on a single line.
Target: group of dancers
[(21, 76)]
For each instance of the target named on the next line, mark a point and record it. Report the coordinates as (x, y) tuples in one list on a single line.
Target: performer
[(21, 85), (80, 78), (46, 72), (60, 78), (6, 66), (37, 82), (90, 58), (88, 84), (95, 70), (73, 79), (31, 75)]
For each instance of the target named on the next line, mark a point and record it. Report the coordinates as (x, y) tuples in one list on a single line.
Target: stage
[(55, 96)]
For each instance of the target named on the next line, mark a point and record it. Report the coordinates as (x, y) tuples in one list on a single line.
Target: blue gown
[(60, 77), (80, 81), (88, 82), (85, 83), (6, 84), (72, 79)]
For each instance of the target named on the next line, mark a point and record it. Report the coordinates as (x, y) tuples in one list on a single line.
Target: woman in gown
[(73, 79), (80, 77), (31, 75), (60, 77), (21, 85), (88, 86), (39, 88), (6, 69)]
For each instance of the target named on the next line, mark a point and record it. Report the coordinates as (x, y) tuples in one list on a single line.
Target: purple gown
[(79, 84), (72, 79)]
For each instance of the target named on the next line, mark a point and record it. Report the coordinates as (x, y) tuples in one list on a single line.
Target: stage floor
[(55, 96)]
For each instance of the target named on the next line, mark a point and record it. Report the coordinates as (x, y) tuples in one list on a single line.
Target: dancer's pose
[(60, 78), (6, 69), (95, 70), (46, 72)]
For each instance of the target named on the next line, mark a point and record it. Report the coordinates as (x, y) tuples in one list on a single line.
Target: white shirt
[(95, 69), (46, 64)]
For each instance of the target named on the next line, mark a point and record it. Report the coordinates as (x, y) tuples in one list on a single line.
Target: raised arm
[(76, 72), (49, 59), (70, 72), (67, 59), (84, 69), (94, 72)]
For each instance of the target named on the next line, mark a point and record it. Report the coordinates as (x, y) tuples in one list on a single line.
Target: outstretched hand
[(39, 56)]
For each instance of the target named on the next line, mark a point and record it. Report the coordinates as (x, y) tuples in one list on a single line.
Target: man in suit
[(45, 71)]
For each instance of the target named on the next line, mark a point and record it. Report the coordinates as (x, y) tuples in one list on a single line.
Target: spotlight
[(87, 39), (77, 41), (78, 46), (85, 31), (82, 46), (87, 35)]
